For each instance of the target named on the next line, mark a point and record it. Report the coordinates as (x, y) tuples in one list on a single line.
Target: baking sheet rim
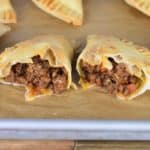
[(74, 129)]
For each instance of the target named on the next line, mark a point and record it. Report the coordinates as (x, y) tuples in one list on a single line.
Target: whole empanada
[(70, 11), (118, 66), (7, 12), (42, 65), (142, 5)]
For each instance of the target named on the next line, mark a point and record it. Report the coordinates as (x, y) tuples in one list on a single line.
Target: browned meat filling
[(39, 75), (117, 80)]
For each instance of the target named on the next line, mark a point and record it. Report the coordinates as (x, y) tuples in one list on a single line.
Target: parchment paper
[(111, 17)]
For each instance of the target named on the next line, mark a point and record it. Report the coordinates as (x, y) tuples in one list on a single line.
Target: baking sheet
[(74, 129), (104, 17)]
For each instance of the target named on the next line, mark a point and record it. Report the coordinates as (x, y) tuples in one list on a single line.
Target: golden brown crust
[(142, 5), (66, 10), (56, 49), (7, 12), (99, 48)]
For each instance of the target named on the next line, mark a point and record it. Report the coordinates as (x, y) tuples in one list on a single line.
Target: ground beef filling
[(117, 80), (39, 75)]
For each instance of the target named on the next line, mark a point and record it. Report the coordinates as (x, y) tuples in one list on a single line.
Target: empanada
[(70, 11), (42, 65), (3, 29), (118, 66), (7, 12), (142, 5)]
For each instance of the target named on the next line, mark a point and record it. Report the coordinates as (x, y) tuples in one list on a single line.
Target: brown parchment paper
[(112, 17)]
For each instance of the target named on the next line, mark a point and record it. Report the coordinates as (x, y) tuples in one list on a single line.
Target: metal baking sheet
[(80, 114), (74, 129)]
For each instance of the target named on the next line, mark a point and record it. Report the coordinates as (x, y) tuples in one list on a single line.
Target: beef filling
[(116, 80), (39, 75)]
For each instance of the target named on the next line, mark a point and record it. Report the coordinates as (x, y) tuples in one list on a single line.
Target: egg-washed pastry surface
[(142, 5), (42, 65), (4, 29), (118, 66), (70, 11), (7, 12)]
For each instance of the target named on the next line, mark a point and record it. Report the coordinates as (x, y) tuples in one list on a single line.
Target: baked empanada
[(7, 12), (118, 66), (142, 5), (70, 11), (4, 29), (42, 65)]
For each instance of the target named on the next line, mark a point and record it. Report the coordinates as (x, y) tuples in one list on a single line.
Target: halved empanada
[(118, 66), (42, 65), (7, 12), (142, 5), (70, 11), (3, 29)]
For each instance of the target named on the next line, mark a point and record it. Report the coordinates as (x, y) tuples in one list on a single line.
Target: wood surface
[(109, 145), (37, 145), (73, 145)]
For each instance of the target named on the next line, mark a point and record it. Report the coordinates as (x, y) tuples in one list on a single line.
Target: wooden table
[(73, 145)]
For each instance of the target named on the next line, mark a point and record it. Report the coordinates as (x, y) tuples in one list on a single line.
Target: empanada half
[(142, 5), (42, 65), (120, 67), (70, 11), (7, 12)]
